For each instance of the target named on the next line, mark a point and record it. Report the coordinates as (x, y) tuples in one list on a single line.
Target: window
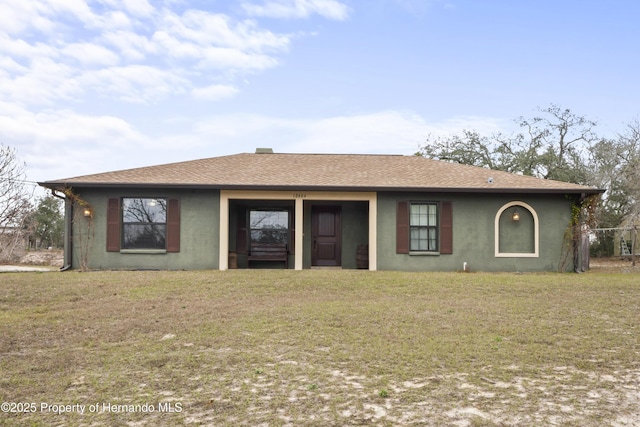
[(144, 223), (127, 226), (269, 226), (423, 226)]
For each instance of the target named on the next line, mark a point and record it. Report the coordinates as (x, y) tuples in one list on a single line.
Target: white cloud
[(330, 9), (113, 20), (207, 29), (140, 8), (126, 50), (162, 41), (58, 144), (8, 67), (136, 83), (90, 54), (385, 132), (77, 8), (42, 83), (132, 46), (23, 51), (214, 92), (18, 16), (211, 57), (225, 58)]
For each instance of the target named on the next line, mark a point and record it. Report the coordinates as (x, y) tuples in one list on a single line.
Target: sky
[(91, 86)]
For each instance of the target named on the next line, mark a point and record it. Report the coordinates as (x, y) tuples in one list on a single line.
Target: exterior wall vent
[(264, 150)]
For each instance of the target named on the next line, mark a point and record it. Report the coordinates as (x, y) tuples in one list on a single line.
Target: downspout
[(68, 231)]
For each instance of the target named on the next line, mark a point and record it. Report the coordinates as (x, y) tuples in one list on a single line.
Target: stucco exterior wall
[(199, 232), (474, 233)]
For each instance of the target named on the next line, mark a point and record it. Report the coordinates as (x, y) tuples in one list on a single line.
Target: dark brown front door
[(327, 239)]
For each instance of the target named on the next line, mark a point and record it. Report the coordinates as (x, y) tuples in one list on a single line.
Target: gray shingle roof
[(353, 172)]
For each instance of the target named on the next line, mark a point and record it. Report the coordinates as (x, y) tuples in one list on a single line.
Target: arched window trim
[(536, 233)]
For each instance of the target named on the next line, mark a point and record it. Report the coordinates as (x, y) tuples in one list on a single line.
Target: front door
[(327, 237)]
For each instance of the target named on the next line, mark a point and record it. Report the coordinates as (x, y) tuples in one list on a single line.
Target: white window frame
[(536, 232), (435, 227)]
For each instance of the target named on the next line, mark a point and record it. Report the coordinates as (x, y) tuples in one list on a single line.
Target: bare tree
[(630, 158), (551, 145), (557, 141), (615, 165), (14, 202)]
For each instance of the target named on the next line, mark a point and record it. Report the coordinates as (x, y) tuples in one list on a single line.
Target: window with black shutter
[(424, 226), (151, 223)]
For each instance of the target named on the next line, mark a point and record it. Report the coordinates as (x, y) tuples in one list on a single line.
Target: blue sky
[(97, 85)]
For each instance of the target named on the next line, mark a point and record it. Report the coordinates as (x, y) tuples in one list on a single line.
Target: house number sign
[(299, 196)]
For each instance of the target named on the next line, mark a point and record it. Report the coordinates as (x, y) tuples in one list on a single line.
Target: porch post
[(373, 232), (299, 227), (223, 260)]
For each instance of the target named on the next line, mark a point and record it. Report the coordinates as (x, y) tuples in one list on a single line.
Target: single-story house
[(300, 211)]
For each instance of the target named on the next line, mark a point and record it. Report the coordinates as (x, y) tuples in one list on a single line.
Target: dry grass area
[(318, 348)]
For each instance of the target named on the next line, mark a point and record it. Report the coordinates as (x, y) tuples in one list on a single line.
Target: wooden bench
[(269, 252)]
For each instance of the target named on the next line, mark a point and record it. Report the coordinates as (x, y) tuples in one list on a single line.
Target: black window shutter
[(402, 228), (446, 228), (173, 225), (113, 225)]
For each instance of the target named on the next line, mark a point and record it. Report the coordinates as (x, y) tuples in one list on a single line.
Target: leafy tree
[(47, 222)]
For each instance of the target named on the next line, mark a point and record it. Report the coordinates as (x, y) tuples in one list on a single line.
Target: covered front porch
[(316, 229)]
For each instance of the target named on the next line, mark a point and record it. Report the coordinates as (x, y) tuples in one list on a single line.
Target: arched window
[(517, 231)]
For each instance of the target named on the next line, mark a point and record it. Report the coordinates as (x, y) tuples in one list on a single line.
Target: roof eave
[(485, 190)]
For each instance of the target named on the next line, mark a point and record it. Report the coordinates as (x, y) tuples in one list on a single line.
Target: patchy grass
[(342, 348)]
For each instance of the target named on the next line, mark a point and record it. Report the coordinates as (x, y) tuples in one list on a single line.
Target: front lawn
[(329, 347)]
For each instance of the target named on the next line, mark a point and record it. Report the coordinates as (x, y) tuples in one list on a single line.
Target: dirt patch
[(615, 265), (52, 258)]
